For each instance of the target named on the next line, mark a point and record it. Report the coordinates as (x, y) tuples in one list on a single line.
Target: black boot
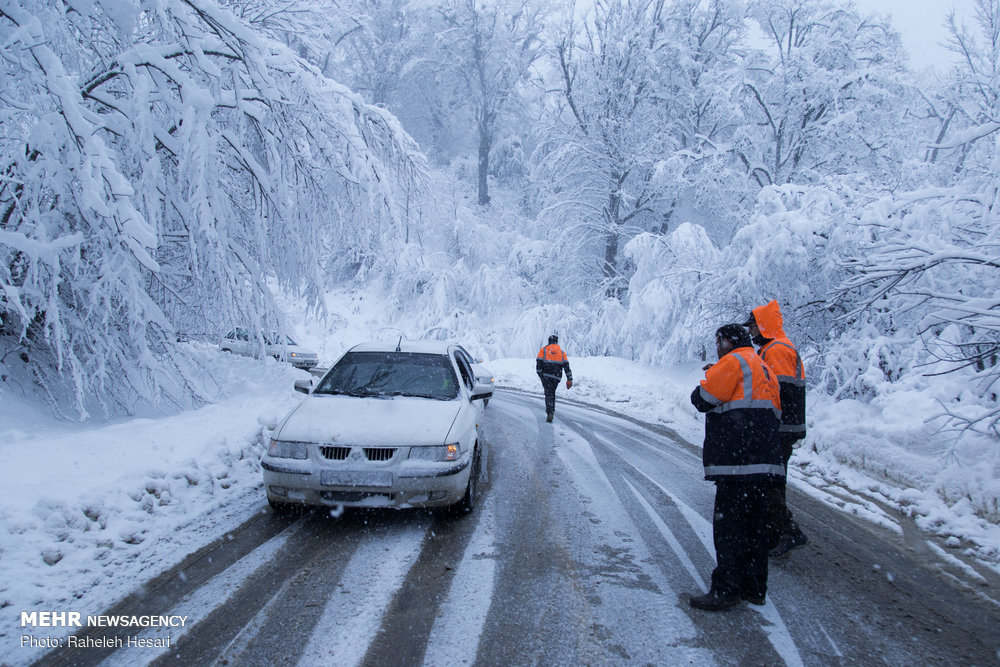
[(548, 417), (787, 542), (714, 601)]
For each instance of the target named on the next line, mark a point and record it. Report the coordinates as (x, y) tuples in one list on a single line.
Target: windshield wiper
[(338, 392), (436, 397)]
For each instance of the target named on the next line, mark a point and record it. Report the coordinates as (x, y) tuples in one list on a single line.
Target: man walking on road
[(766, 330), (549, 365), (742, 455)]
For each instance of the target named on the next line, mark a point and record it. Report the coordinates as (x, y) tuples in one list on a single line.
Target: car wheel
[(486, 402), (468, 501), (226, 349)]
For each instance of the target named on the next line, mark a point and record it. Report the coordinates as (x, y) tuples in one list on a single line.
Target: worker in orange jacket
[(742, 455), (766, 329), (550, 364)]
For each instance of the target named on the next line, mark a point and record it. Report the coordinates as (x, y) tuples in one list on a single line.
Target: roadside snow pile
[(950, 486), (90, 511)]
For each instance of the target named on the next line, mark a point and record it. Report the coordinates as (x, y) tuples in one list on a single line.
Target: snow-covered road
[(590, 534)]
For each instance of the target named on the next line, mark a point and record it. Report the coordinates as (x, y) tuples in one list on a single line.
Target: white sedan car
[(389, 425), (279, 346)]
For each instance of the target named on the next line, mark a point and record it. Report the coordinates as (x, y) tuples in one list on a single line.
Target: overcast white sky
[(920, 23)]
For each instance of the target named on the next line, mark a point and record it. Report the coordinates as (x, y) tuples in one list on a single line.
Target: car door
[(237, 341), (275, 345), (468, 378), (478, 370)]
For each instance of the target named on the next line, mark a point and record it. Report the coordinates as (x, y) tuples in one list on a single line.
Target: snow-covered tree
[(934, 265), (486, 49), (604, 139), (822, 97), (378, 43), (162, 161), (700, 69)]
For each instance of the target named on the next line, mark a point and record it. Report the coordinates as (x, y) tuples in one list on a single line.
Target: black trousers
[(781, 516), (549, 386), (741, 529)]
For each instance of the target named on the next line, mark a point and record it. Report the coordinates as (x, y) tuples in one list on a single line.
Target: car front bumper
[(424, 485)]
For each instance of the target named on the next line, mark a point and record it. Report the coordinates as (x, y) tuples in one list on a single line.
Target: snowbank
[(89, 510)]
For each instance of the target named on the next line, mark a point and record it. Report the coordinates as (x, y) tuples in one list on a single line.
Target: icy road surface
[(590, 534)]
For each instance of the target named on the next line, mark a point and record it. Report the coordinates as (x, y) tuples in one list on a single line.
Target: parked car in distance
[(482, 374), (389, 425), (276, 345)]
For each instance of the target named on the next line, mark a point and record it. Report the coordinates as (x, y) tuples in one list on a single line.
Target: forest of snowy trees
[(632, 172)]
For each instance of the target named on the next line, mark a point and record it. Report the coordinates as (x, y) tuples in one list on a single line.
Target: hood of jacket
[(768, 318)]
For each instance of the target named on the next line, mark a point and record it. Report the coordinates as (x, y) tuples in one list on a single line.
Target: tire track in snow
[(669, 536), (613, 457), (354, 612), (171, 588), (236, 607), (205, 600), (454, 638), (281, 629), (633, 616)]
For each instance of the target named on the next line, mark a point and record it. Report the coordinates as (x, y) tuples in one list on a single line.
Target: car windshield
[(391, 374), (275, 338)]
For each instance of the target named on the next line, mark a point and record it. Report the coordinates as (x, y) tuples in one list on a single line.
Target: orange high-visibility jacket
[(551, 363), (741, 398), (784, 360)]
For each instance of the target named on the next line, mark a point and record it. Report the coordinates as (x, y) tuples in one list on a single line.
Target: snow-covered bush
[(933, 275), (792, 250), (667, 317)]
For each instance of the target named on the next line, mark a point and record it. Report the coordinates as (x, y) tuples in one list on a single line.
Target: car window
[(391, 374), (468, 377), (275, 338)]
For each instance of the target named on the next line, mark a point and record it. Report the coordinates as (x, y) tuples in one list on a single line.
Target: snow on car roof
[(419, 346)]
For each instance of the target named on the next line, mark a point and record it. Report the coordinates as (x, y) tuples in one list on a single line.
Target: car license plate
[(356, 478)]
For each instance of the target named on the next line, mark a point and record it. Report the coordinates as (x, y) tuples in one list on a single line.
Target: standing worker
[(742, 455), (765, 325), (549, 365)]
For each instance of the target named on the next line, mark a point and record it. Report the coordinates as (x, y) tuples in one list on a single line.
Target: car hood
[(347, 420), (297, 349)]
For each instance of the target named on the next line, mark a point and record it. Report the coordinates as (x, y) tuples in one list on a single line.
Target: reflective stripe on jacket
[(551, 363), (784, 360), (741, 397)]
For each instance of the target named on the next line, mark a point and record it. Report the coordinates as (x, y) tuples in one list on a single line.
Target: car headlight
[(436, 452), (283, 449)]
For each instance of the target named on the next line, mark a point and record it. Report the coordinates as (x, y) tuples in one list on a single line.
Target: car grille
[(354, 496), (379, 453), (335, 453)]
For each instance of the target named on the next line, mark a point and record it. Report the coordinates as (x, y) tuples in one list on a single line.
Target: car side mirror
[(303, 386), (481, 391)]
